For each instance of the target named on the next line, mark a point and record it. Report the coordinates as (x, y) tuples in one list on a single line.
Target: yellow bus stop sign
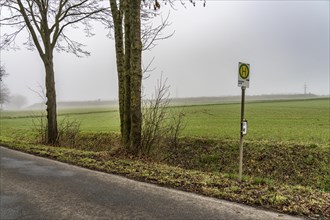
[(243, 74)]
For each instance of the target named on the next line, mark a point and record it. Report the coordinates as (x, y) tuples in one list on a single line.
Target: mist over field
[(286, 44)]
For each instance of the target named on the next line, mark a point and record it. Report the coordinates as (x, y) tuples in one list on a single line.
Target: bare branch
[(46, 21), (150, 35), (30, 28), (8, 40), (41, 93), (148, 69), (71, 46)]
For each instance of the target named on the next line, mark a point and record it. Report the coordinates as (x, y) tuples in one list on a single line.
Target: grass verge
[(285, 162), (290, 199)]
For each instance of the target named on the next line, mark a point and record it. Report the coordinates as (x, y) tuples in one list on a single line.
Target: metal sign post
[(241, 136), (243, 82)]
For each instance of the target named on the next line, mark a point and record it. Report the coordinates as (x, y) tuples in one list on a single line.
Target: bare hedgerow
[(68, 132), (39, 126), (176, 126), (68, 129), (161, 125), (39, 120)]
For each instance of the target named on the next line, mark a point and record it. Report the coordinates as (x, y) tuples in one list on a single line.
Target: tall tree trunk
[(121, 15), (128, 54), (48, 60), (120, 58), (127, 77), (136, 76), (52, 131)]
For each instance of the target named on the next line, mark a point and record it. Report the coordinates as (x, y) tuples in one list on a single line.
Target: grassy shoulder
[(283, 162), (292, 199)]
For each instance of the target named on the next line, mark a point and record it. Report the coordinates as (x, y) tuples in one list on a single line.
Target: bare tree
[(134, 32), (46, 22), (2, 72), (131, 38), (4, 94), (4, 91)]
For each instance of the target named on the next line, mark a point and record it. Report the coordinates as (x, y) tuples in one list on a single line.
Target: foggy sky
[(286, 44)]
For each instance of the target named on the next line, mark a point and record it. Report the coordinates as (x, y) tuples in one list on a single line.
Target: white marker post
[(243, 82)]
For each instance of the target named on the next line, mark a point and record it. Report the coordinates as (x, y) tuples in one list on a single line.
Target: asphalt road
[(36, 188)]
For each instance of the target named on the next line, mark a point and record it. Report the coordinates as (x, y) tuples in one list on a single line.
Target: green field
[(286, 157), (298, 121)]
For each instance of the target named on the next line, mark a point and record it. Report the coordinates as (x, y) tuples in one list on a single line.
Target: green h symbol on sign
[(244, 71)]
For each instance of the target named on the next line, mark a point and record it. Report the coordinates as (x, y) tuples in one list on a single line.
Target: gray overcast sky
[(285, 42)]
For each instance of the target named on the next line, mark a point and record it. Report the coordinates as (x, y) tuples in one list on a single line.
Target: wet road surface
[(36, 188)]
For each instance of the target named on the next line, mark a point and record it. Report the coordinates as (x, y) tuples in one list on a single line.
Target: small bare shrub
[(39, 126), (161, 127), (176, 126), (39, 121), (68, 132)]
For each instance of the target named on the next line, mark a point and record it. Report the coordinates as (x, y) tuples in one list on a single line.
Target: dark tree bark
[(127, 30), (121, 13), (136, 76), (127, 27), (117, 16), (127, 79), (52, 131)]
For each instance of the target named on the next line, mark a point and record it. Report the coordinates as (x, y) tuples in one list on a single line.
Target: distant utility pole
[(305, 89)]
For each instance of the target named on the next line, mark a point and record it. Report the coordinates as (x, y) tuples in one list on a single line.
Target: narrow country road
[(36, 188)]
